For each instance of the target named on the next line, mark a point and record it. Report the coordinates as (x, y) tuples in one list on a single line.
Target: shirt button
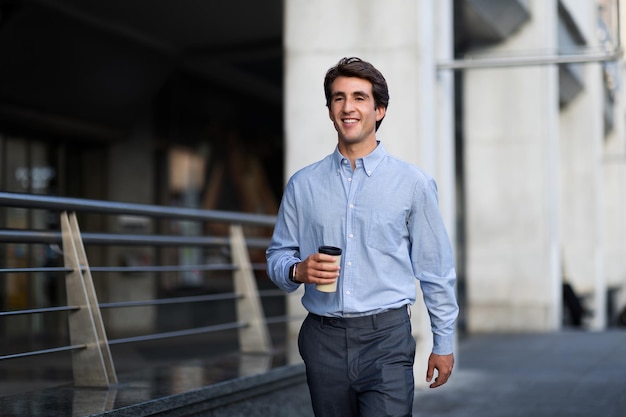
[(349, 263), (350, 235), (348, 292), (349, 179), (351, 205)]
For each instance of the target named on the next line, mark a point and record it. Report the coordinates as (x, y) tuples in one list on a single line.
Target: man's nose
[(348, 106)]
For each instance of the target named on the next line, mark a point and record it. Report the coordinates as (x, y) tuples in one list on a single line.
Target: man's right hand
[(318, 268)]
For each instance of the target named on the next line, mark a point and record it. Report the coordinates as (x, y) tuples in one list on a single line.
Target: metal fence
[(92, 363)]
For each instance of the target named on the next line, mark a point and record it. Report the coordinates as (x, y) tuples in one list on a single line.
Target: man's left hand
[(443, 364)]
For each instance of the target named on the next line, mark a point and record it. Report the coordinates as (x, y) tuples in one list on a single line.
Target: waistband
[(373, 321)]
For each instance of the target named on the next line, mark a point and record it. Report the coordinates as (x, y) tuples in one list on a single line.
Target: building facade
[(515, 107)]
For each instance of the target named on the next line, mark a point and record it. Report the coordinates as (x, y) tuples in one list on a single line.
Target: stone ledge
[(223, 394), (223, 382)]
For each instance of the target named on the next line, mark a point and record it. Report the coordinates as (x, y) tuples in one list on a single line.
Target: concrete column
[(401, 38), (615, 195), (615, 210), (582, 181), (130, 172), (615, 184), (511, 139)]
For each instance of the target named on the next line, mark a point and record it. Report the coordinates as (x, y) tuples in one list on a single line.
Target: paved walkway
[(566, 374)]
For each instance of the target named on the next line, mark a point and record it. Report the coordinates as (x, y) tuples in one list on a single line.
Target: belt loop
[(321, 322), (374, 321)]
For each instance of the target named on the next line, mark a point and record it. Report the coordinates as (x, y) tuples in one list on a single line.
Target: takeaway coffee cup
[(336, 252)]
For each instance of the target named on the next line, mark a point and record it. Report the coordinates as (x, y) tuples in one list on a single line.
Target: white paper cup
[(336, 252)]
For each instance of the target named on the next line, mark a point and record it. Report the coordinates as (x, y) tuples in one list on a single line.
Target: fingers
[(430, 372), (325, 261), (318, 269), (440, 380)]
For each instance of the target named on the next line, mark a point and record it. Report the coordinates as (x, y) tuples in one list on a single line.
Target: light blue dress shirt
[(385, 216)]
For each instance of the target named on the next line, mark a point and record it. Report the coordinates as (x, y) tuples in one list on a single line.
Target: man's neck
[(354, 151)]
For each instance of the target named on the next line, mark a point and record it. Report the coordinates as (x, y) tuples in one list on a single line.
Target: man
[(356, 343)]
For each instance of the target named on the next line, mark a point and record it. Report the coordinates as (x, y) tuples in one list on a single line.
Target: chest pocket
[(386, 231)]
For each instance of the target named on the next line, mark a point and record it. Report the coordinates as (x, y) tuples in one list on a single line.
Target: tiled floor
[(566, 374)]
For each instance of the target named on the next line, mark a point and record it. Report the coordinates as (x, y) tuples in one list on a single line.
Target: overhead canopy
[(94, 65)]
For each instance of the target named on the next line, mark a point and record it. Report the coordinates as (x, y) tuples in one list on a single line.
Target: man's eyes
[(357, 98)]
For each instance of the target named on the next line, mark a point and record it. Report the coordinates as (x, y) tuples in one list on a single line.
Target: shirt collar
[(370, 161)]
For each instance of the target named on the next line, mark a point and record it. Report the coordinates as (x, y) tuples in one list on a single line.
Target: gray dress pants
[(360, 366)]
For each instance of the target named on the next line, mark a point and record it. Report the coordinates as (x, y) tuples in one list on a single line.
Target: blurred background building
[(516, 107)]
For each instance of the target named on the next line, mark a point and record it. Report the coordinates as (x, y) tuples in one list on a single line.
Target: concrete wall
[(614, 160), (511, 139), (582, 180), (544, 184)]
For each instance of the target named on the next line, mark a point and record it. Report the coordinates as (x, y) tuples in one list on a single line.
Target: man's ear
[(380, 113)]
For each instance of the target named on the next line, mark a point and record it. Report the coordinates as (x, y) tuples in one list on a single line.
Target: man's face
[(353, 111)]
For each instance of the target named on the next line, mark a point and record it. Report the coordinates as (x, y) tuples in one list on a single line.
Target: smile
[(349, 121)]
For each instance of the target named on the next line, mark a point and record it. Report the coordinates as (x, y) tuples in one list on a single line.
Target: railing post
[(93, 365), (255, 336)]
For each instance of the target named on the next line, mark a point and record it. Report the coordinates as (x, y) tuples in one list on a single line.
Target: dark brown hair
[(356, 67)]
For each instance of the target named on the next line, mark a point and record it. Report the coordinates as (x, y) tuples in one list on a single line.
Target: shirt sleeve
[(433, 264), (284, 250)]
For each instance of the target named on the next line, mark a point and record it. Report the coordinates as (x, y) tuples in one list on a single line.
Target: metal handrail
[(134, 269), (248, 323), (172, 300), (143, 303), (39, 269), (38, 310), (44, 236), (179, 333), (147, 210), (42, 352)]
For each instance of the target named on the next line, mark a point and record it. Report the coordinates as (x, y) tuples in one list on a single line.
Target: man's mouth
[(349, 121)]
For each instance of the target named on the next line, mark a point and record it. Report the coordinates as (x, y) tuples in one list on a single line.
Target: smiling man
[(382, 212)]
